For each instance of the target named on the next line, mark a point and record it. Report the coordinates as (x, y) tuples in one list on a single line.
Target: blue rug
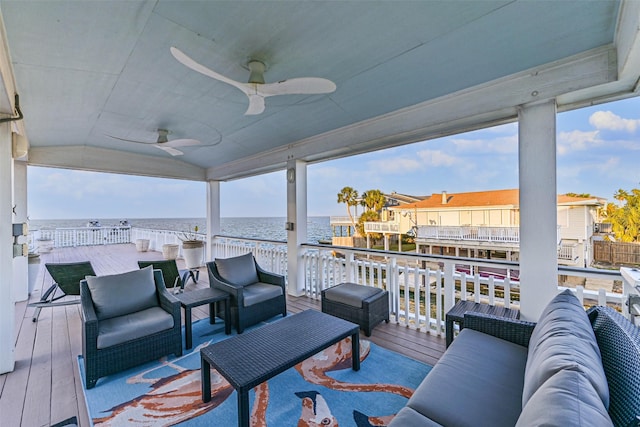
[(322, 390)]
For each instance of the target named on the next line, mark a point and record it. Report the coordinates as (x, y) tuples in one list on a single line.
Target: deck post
[(296, 225), (7, 305), (538, 207), (20, 264), (213, 217)]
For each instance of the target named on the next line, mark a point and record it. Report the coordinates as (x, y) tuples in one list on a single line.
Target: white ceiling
[(404, 70)]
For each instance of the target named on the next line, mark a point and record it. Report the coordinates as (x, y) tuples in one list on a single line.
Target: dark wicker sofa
[(115, 339), (572, 368)]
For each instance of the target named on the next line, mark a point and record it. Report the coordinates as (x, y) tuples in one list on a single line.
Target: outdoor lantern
[(20, 145)]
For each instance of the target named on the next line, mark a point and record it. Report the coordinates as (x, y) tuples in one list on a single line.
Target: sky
[(598, 152)]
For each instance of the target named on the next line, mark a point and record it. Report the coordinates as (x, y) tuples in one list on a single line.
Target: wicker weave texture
[(374, 310), (251, 358), (102, 362), (619, 343), (513, 330), (242, 316)]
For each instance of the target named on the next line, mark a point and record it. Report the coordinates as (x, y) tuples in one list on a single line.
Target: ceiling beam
[(112, 161), (481, 106)]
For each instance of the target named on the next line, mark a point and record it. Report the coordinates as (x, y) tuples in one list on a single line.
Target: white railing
[(470, 233), (568, 252), (271, 255), (80, 236), (381, 227), (422, 287), (440, 281), (158, 238)]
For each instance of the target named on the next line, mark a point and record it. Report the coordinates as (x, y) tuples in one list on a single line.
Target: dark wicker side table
[(456, 314), (199, 297)]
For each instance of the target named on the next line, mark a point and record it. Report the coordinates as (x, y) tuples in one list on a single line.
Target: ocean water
[(269, 228)]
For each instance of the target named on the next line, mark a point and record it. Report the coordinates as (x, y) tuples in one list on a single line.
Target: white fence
[(422, 287), (82, 236), (469, 233), (271, 255)]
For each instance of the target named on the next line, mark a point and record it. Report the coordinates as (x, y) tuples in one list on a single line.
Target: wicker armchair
[(66, 281), (173, 278), (256, 295), (126, 321)]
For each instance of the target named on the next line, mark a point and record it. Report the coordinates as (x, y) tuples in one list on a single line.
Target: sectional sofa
[(572, 368)]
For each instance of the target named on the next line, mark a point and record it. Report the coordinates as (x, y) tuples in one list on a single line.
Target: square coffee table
[(255, 356), (198, 297)]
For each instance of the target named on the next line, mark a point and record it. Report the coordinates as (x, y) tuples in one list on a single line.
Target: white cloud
[(436, 158), (504, 144), (610, 121), (577, 140), (395, 165)]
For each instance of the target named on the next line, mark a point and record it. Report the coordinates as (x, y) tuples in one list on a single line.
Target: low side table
[(199, 297), (456, 314)]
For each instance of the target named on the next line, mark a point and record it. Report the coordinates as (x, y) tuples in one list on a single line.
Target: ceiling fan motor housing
[(257, 69)]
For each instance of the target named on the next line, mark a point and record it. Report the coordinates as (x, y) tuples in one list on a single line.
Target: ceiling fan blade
[(190, 63), (169, 150), (131, 140), (182, 143), (303, 85), (256, 105)]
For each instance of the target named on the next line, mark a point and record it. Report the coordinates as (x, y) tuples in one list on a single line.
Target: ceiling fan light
[(19, 145)]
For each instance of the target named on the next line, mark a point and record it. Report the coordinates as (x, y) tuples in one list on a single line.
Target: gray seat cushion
[(350, 293), (564, 339), (565, 399), (118, 330), (239, 271), (124, 293), (259, 292), (477, 382), (407, 417)]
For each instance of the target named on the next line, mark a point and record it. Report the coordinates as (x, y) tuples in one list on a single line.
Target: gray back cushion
[(565, 399), (240, 270), (563, 339), (121, 294)]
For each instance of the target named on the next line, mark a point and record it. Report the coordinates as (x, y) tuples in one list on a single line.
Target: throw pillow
[(124, 293), (239, 271)]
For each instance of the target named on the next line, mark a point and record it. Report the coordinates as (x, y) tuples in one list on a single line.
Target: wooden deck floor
[(45, 387)]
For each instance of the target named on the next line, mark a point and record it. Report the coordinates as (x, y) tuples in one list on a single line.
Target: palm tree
[(373, 200), (349, 196)]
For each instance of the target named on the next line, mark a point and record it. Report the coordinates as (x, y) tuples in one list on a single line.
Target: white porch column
[(296, 215), (7, 306), (213, 217), (538, 207), (20, 264)]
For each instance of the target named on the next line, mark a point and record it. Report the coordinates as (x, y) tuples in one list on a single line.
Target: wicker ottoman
[(365, 305)]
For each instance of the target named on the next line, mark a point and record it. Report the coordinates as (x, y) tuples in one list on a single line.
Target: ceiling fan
[(164, 144), (256, 89)]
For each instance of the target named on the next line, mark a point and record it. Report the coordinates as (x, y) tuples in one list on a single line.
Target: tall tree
[(349, 197), (368, 216), (625, 218), (373, 200)]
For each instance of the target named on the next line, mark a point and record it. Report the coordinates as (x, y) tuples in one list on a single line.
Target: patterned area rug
[(321, 391)]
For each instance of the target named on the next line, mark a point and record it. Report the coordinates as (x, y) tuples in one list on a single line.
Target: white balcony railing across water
[(422, 287), (470, 233)]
